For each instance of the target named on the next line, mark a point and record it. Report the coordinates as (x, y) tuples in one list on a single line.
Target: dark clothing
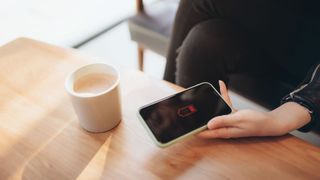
[(213, 39)]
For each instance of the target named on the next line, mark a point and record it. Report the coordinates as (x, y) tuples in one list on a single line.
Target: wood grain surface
[(40, 137)]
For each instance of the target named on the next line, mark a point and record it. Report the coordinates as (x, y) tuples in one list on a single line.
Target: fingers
[(218, 133), (228, 132), (224, 92), (223, 121)]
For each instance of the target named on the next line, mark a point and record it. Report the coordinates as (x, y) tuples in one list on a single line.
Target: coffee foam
[(93, 83)]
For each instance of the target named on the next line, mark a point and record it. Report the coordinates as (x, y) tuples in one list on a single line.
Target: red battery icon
[(186, 110)]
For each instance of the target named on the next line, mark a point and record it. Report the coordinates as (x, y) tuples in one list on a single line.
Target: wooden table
[(40, 137)]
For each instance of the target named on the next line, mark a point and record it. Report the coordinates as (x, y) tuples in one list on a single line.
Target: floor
[(115, 47)]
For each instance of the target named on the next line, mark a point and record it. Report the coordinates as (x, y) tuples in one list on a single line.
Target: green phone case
[(162, 145)]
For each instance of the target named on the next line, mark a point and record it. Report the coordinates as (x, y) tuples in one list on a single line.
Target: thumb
[(224, 93)]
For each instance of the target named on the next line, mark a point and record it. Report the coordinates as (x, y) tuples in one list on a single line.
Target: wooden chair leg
[(140, 58), (139, 5)]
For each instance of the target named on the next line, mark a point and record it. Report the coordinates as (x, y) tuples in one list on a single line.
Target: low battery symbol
[(186, 110)]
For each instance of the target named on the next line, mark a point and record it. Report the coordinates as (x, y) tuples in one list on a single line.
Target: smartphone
[(178, 116)]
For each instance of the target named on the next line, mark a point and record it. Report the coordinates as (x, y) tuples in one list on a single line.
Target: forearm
[(290, 116)]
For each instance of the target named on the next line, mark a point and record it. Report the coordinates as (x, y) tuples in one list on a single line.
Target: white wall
[(61, 22)]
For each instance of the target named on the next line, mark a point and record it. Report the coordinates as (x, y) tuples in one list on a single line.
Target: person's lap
[(213, 50), (216, 38)]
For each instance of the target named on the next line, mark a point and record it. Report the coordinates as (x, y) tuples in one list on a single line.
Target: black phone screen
[(183, 112)]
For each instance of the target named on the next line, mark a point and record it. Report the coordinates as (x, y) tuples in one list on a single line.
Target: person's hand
[(244, 123)]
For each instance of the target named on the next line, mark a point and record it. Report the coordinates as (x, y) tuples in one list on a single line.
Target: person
[(212, 39)]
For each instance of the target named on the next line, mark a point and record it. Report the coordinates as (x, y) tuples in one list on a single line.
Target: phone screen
[(183, 112)]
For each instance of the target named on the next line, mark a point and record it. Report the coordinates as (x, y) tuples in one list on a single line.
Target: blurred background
[(98, 28)]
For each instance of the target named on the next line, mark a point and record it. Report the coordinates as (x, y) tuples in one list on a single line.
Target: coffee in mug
[(94, 83), (95, 96)]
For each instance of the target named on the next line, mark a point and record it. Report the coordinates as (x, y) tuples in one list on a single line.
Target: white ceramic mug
[(96, 112)]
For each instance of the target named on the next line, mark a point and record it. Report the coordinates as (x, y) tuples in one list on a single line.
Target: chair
[(151, 26)]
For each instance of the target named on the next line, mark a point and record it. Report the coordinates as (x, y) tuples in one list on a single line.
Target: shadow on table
[(66, 156), (35, 154)]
